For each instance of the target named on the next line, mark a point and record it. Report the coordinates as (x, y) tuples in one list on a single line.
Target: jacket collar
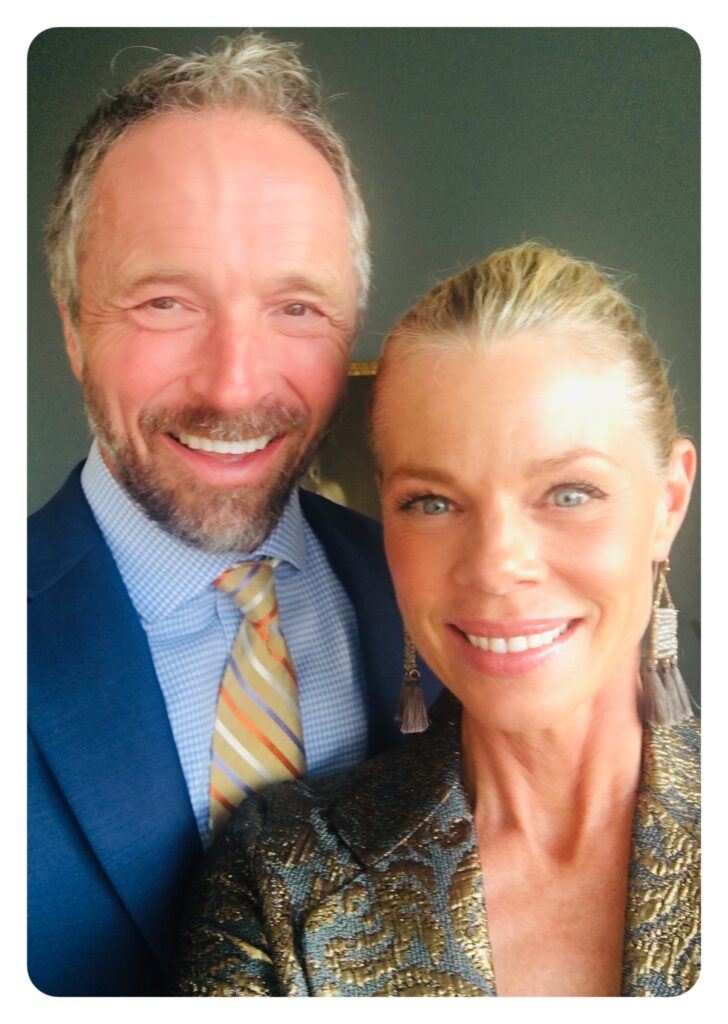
[(420, 776)]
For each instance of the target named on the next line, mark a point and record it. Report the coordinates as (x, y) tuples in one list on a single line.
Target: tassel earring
[(412, 713), (665, 697)]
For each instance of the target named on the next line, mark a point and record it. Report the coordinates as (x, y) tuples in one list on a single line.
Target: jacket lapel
[(98, 715), (410, 915)]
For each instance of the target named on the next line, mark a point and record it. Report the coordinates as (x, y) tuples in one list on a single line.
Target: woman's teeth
[(514, 644), (206, 444)]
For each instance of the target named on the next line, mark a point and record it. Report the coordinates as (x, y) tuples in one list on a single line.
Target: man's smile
[(231, 448)]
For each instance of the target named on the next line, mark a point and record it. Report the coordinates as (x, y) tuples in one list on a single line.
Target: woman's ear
[(73, 342), (677, 487)]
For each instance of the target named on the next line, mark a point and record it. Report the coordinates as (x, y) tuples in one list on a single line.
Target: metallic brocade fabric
[(370, 884)]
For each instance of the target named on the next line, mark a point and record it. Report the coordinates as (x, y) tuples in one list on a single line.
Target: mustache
[(265, 418)]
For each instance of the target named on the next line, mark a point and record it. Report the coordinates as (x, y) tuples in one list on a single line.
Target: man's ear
[(677, 487), (73, 342)]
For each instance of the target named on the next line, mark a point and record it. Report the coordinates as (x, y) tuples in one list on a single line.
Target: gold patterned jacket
[(371, 884)]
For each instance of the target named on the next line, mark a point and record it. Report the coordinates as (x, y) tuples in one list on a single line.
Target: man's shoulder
[(327, 517), (60, 534), (353, 545)]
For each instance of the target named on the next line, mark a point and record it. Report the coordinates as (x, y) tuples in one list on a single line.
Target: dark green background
[(464, 140)]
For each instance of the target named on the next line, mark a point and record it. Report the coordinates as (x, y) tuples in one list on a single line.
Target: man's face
[(218, 298)]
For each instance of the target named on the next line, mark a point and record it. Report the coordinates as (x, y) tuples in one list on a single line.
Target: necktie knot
[(251, 585)]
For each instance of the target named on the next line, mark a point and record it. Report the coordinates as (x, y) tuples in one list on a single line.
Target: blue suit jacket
[(112, 837)]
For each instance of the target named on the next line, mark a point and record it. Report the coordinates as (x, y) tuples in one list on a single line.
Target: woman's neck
[(556, 785)]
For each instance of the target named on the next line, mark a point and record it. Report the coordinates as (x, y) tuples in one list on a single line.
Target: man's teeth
[(205, 444), (513, 644)]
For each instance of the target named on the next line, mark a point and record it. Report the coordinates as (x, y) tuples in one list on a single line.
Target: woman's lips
[(503, 642), (512, 648)]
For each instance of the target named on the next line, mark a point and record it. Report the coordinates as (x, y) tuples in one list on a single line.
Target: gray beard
[(215, 520)]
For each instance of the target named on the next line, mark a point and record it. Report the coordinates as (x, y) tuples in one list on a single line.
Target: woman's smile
[(511, 648)]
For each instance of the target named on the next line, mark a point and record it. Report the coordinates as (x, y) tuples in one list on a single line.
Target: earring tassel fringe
[(665, 697)]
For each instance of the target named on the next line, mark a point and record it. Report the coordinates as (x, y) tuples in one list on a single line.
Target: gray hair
[(251, 72)]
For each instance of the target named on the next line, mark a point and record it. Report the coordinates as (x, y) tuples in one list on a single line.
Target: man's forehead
[(221, 191), (240, 149)]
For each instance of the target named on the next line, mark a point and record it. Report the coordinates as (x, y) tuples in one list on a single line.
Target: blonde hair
[(532, 287), (250, 72)]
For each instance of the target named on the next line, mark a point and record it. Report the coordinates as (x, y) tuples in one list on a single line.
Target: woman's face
[(522, 512)]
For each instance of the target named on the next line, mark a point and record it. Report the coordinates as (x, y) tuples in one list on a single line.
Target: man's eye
[(165, 313), (295, 309)]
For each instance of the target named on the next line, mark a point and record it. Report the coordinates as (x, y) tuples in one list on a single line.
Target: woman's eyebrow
[(564, 458), (409, 470)]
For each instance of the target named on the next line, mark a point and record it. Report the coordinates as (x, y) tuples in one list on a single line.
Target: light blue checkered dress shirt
[(190, 626)]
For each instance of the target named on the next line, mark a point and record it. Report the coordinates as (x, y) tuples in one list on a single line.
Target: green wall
[(465, 140)]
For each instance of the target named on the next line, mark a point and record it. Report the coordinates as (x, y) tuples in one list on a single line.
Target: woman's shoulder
[(675, 746), (671, 770), (366, 808)]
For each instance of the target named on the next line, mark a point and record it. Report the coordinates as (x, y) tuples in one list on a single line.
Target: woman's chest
[(556, 929)]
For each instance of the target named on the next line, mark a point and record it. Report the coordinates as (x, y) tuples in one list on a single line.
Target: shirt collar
[(147, 556)]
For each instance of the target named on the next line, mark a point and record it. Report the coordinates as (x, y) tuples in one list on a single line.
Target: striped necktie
[(258, 738)]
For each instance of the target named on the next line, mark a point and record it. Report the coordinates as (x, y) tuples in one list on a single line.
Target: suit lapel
[(98, 715)]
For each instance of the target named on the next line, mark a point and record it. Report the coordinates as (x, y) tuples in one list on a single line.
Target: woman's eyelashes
[(568, 495), (426, 504), (573, 494)]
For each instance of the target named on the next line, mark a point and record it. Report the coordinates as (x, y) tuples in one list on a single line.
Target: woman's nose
[(501, 553)]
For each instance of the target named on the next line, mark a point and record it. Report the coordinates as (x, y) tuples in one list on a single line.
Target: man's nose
[(234, 368), (501, 554)]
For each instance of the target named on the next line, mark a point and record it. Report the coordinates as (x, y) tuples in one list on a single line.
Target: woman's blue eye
[(425, 504), (569, 497), (435, 506)]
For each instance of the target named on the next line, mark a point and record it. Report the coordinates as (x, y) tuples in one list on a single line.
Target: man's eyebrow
[(162, 276), (304, 282), (294, 282)]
